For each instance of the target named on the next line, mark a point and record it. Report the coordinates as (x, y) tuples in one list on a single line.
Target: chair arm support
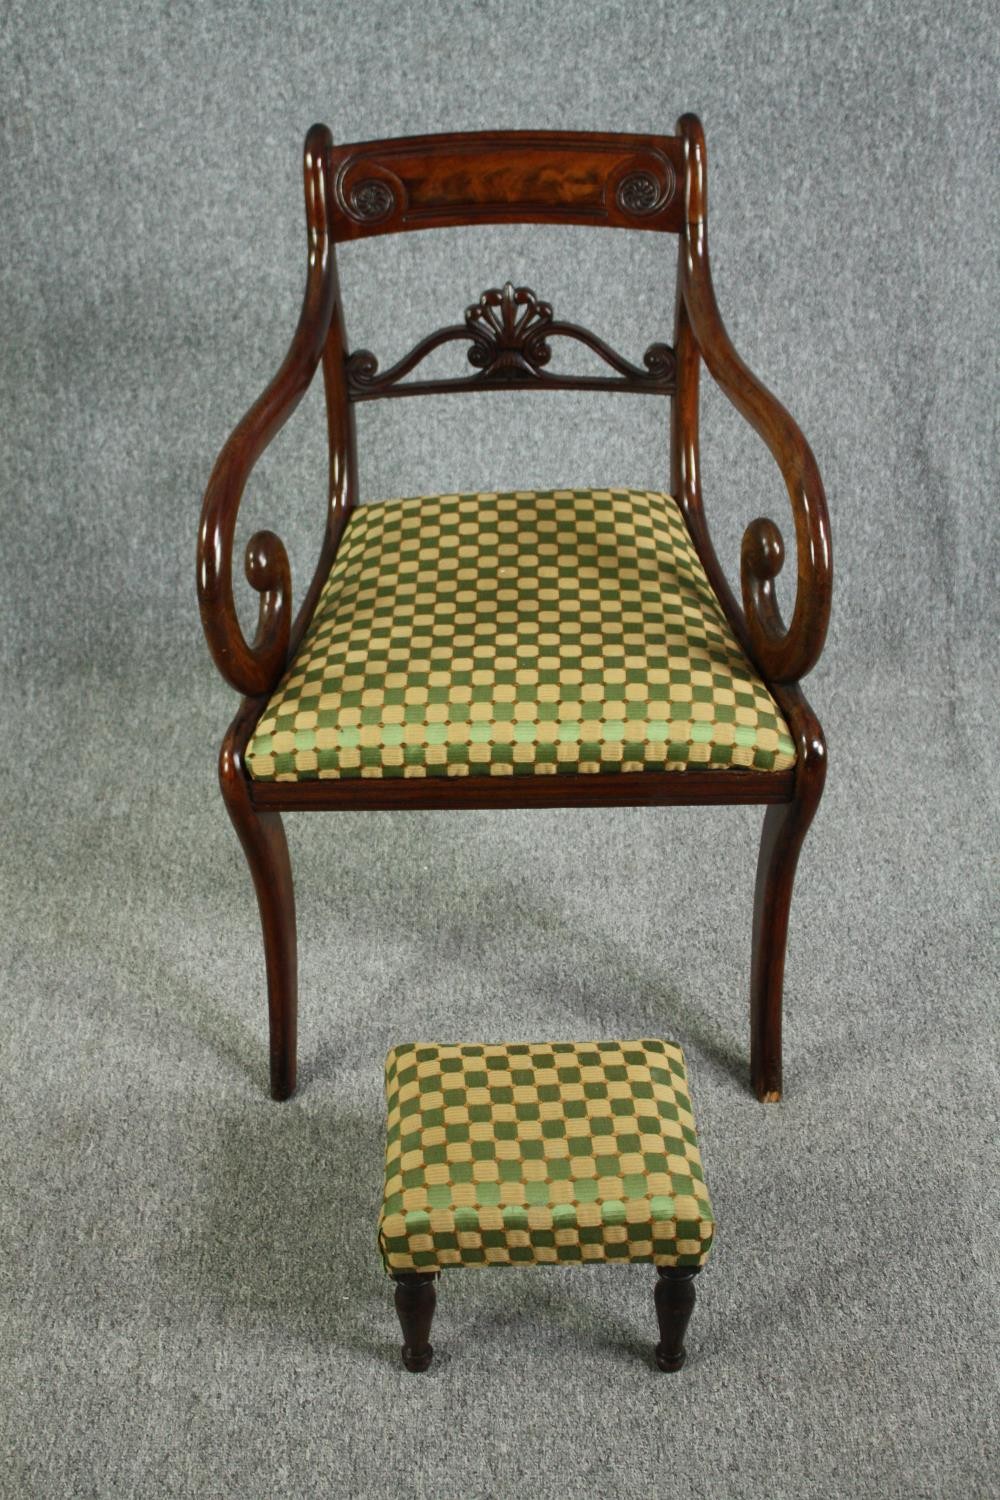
[(784, 653), (254, 668)]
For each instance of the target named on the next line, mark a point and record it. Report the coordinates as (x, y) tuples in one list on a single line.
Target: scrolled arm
[(784, 652), (254, 667)]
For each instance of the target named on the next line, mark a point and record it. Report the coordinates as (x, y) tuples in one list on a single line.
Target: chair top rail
[(507, 177)]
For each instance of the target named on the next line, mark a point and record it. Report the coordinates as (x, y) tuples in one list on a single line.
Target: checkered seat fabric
[(530, 632), (541, 1152)]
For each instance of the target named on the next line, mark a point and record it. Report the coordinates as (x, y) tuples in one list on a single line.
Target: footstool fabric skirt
[(530, 1152)]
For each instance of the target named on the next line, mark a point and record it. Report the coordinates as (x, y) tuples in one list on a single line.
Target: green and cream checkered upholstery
[(541, 1152), (536, 631)]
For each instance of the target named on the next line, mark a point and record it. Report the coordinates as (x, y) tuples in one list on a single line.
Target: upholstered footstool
[(539, 1153)]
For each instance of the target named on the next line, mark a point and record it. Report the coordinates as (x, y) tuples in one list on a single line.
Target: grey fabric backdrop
[(192, 1303)]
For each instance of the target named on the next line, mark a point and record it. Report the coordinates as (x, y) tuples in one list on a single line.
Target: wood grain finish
[(620, 181), (506, 177)]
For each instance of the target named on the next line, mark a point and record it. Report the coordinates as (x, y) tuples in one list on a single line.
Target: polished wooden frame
[(652, 183)]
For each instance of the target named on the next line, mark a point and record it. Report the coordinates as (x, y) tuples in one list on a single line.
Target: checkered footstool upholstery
[(541, 1153)]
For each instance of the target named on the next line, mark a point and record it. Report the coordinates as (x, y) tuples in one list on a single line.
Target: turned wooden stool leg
[(416, 1299), (674, 1305)]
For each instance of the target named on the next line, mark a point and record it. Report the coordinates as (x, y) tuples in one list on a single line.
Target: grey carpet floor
[(191, 1302), (192, 1299)]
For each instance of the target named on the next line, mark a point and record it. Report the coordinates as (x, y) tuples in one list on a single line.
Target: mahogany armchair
[(529, 649)]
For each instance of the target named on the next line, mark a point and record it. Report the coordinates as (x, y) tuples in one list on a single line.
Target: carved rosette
[(508, 327), (369, 193), (371, 199), (646, 190), (638, 193)]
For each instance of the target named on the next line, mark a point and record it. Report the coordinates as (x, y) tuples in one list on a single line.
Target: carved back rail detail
[(508, 332), (513, 177)]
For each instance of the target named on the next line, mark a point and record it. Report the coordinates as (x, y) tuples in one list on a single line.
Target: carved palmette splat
[(509, 331)]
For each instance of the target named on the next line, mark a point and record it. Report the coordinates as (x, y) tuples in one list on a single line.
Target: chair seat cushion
[(531, 632), (541, 1152)]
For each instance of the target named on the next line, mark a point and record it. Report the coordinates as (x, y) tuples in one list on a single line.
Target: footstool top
[(541, 1152)]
